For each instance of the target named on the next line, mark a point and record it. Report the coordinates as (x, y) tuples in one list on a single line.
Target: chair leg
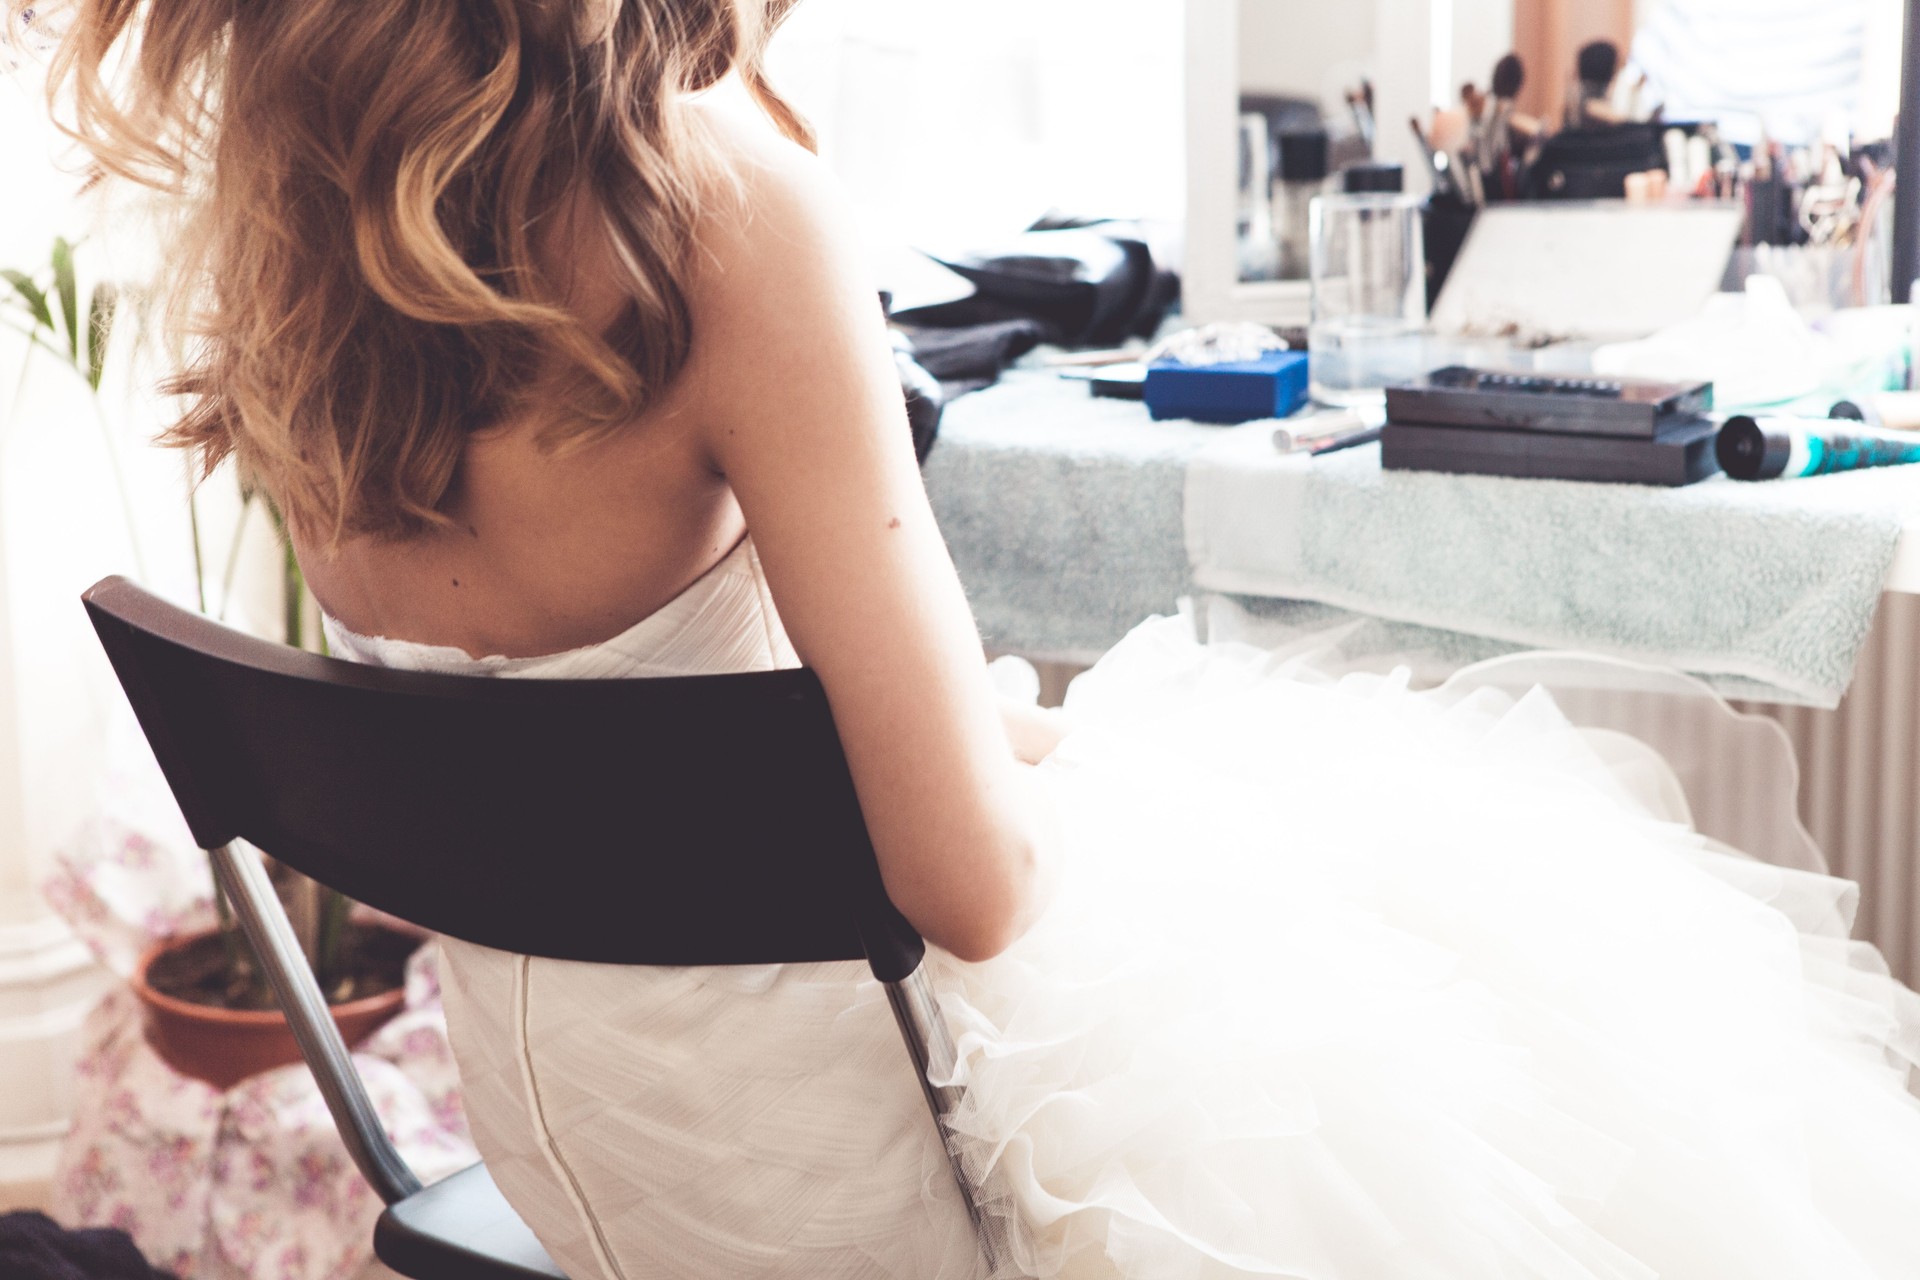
[(265, 923), (917, 1011)]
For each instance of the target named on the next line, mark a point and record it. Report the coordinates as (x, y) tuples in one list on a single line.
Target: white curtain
[(38, 201), (948, 120), (954, 119), (1788, 70)]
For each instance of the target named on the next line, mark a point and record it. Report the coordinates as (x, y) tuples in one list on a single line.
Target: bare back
[(549, 550)]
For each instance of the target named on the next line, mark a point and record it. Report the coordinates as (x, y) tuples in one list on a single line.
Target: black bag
[(926, 400), (1091, 285), (1593, 163), (34, 1247)]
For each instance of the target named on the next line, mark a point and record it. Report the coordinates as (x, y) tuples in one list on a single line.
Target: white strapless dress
[(1342, 981)]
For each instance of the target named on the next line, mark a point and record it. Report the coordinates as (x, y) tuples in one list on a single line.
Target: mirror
[(1322, 87), (1281, 95), (1279, 85)]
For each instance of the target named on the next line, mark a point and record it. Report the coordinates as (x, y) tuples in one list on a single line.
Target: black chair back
[(695, 821), (701, 821)]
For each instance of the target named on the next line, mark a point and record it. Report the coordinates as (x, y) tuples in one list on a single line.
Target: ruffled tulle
[(1344, 980)]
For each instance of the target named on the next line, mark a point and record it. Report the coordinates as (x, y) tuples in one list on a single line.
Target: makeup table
[(1071, 519)]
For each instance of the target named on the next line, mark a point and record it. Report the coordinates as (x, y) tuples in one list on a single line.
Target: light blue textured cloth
[(1063, 513), (1072, 519)]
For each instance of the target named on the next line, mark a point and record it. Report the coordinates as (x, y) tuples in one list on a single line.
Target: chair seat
[(461, 1228)]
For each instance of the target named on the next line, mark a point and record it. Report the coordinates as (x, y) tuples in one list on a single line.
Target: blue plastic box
[(1271, 387)]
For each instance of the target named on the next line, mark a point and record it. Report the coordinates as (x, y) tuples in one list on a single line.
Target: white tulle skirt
[(1341, 981)]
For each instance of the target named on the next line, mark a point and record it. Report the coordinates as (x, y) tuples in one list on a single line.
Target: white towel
[(1774, 584)]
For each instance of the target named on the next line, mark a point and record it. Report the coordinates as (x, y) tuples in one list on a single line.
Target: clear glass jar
[(1369, 275)]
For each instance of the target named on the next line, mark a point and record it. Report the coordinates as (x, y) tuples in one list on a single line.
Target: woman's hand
[(1032, 731)]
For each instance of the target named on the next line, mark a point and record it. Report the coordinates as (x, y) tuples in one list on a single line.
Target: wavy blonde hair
[(360, 188)]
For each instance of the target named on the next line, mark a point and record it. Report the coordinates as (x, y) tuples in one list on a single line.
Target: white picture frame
[(1211, 288)]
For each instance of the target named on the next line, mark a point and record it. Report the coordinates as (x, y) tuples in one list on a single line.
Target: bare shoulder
[(777, 221), (781, 293), (771, 178)]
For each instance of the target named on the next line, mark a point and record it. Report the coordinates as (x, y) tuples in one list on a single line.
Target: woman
[(1502, 135), (556, 368), (1590, 97)]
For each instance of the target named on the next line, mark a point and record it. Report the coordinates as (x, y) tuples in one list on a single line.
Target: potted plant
[(208, 1010)]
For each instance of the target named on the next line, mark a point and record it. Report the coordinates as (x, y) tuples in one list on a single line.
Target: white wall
[(1482, 35), (1305, 48), (1406, 86)]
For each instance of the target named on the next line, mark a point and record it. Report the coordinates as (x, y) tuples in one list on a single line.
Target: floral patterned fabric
[(253, 1183)]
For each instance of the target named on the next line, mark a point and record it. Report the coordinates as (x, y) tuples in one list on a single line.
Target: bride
[(550, 340)]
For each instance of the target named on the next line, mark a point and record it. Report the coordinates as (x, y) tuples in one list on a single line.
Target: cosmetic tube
[(1787, 448)]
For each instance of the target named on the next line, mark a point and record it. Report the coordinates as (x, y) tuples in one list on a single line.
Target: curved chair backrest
[(693, 821)]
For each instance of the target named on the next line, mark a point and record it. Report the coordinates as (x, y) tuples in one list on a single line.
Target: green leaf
[(63, 283), (100, 312), (30, 294)]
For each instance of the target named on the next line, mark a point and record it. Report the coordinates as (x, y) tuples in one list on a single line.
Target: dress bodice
[(724, 623), (560, 1061)]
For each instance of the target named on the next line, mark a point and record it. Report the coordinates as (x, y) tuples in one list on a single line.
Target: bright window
[(949, 119)]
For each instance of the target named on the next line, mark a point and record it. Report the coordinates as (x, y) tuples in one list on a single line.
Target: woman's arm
[(793, 382)]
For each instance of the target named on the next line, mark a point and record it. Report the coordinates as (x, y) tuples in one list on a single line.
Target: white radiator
[(1859, 772), (1859, 775)]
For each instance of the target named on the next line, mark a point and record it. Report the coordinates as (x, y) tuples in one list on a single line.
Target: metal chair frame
[(206, 695)]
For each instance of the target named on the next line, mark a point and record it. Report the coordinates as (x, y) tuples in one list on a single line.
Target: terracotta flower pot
[(225, 1046)]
